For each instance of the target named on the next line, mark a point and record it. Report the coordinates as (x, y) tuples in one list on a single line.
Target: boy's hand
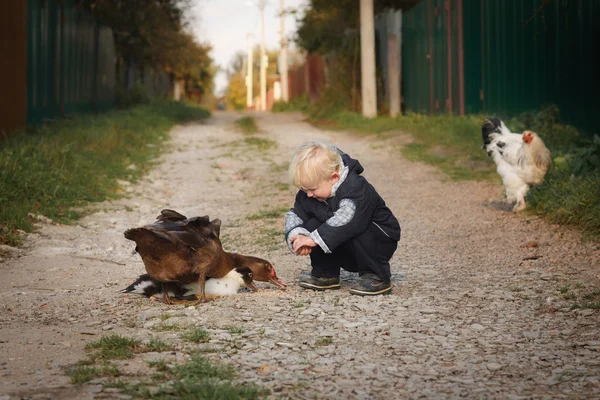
[(302, 244), (304, 251)]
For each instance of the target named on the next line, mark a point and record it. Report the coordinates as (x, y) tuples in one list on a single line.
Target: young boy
[(340, 220)]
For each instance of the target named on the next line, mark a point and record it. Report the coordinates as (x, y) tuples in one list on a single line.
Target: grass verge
[(198, 378), (247, 125), (570, 194), (56, 168)]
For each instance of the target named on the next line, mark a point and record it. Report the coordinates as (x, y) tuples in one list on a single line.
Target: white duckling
[(228, 285)]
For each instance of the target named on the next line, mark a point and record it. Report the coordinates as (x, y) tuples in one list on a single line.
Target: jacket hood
[(352, 164)]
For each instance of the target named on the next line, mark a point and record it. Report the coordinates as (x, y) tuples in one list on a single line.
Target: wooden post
[(367, 51), (393, 75)]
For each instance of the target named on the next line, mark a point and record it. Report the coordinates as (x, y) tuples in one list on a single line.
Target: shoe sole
[(365, 293), (316, 287)]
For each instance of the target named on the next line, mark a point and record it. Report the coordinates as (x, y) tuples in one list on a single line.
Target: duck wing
[(193, 232), (170, 215), (180, 235)]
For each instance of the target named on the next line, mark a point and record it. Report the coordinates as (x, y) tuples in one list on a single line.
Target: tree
[(153, 33), (236, 75), (331, 28), (236, 92)]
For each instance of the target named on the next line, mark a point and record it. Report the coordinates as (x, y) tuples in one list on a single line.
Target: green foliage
[(113, 347), (332, 101), (236, 89), (155, 344), (138, 95), (444, 141), (164, 327), (569, 199), (558, 137), (235, 330), (260, 143), (236, 93), (63, 165), (200, 379), (570, 193), (191, 61), (201, 367), (197, 335), (583, 160), (324, 341), (300, 103), (154, 34), (160, 365), (82, 373), (247, 124), (277, 212)]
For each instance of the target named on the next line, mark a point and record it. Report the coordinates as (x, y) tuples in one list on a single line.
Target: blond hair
[(314, 162)]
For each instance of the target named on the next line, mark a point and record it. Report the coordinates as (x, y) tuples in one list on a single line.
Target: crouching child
[(340, 220)]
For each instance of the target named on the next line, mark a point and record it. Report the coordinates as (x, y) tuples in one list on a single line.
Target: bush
[(55, 168)]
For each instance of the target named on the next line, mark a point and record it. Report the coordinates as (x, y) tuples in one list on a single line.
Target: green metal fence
[(503, 57), (70, 61)]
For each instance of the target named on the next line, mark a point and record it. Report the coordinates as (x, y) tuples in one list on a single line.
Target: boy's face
[(321, 191)]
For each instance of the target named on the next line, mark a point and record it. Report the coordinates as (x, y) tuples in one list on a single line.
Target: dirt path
[(475, 312)]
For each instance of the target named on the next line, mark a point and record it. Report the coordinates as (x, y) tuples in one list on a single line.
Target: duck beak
[(252, 286)]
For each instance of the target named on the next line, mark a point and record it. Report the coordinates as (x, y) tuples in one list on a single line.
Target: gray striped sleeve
[(343, 215), (293, 227)]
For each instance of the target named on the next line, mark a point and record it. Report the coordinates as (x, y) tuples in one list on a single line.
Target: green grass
[(117, 347), (594, 305), (235, 330), (453, 144), (269, 238), (277, 212), (567, 199), (84, 373), (589, 300), (260, 143), (155, 344), (159, 365), (564, 289), (56, 168), (296, 104), (197, 335), (163, 327), (114, 347), (324, 341), (197, 379), (247, 125), (570, 194)]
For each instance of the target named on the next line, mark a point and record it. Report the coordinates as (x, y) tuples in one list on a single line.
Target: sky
[(226, 23)]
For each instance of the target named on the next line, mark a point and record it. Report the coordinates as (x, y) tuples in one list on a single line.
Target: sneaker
[(308, 281), (371, 285)]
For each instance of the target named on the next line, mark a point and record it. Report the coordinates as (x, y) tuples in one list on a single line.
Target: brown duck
[(179, 250)]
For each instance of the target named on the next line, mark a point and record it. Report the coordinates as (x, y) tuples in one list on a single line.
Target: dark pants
[(369, 252)]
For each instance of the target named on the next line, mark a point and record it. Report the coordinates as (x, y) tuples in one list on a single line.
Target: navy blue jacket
[(355, 207)]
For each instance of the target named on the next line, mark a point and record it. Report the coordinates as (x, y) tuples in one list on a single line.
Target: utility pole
[(283, 63), (367, 59), (263, 61), (249, 79)]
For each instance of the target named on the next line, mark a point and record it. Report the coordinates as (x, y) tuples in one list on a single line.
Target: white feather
[(139, 288), (215, 287), (519, 164)]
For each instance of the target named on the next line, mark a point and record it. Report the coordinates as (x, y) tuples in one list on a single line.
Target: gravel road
[(481, 304)]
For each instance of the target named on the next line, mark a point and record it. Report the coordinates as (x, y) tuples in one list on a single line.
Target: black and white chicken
[(521, 160)]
